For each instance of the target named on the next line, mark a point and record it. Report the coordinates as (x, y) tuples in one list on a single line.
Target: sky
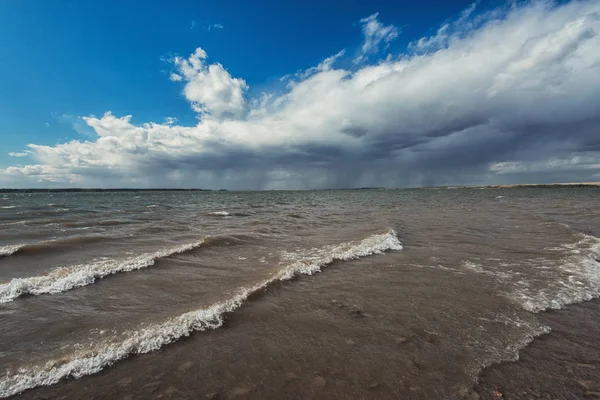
[(299, 94)]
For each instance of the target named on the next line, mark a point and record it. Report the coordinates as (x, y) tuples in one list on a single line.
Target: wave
[(65, 278), (580, 280), (43, 212), (583, 284), (478, 268), (10, 249), (572, 279), (153, 337), (108, 222), (310, 261), (223, 213), (228, 240), (8, 207), (511, 352), (219, 213), (52, 245), (14, 223)]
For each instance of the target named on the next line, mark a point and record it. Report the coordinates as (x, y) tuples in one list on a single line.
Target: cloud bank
[(508, 95)]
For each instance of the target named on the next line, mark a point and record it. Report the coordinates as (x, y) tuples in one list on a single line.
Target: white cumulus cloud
[(209, 87)]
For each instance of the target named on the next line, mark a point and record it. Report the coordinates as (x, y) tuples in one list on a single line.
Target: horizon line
[(125, 189)]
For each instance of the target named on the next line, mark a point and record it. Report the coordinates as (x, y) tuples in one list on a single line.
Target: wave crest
[(66, 278), (10, 249), (50, 246), (219, 213)]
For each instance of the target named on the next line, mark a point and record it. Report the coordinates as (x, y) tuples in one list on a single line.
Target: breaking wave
[(10, 249), (578, 279), (155, 336), (551, 284), (65, 278), (310, 261)]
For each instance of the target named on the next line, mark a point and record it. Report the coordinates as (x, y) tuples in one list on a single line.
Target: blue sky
[(63, 60), (80, 58)]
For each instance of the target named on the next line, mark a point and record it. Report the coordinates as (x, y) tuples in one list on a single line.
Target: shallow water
[(316, 294)]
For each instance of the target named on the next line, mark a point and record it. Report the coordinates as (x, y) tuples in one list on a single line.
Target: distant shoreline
[(511, 186), (77, 190), (527, 185)]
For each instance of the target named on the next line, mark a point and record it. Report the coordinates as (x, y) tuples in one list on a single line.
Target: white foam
[(155, 336), (524, 331), (552, 284), (65, 278), (478, 268), (578, 279), (311, 261), (439, 266), (219, 213), (7, 207), (10, 249)]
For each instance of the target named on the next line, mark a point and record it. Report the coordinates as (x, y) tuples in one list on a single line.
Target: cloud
[(375, 34), (22, 154), (193, 24), (214, 26), (324, 65), (508, 95), (210, 88), (78, 124)]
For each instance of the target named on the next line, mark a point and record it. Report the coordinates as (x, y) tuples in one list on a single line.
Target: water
[(313, 294)]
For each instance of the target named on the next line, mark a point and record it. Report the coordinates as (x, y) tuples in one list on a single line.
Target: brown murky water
[(372, 294)]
